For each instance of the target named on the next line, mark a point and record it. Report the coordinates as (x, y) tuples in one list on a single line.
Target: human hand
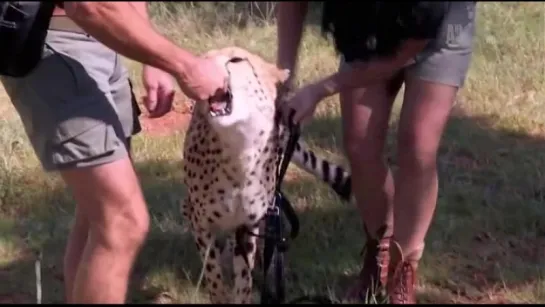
[(159, 91), (303, 102), (206, 79)]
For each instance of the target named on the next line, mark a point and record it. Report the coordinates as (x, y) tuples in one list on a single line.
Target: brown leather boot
[(402, 283), (373, 277)]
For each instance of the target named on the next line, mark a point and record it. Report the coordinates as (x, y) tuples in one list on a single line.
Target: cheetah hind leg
[(242, 291), (211, 258), (227, 254)]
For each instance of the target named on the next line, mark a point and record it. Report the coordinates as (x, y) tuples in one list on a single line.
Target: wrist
[(285, 62), (182, 65), (148, 67), (325, 88)]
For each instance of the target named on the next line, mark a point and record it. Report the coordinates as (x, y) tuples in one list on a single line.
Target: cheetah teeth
[(220, 109)]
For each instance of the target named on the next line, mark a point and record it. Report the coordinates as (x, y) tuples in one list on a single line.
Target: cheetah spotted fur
[(230, 170)]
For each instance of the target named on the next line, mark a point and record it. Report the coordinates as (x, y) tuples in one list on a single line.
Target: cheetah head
[(252, 88)]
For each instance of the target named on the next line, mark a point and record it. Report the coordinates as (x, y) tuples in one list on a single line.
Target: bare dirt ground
[(175, 121)]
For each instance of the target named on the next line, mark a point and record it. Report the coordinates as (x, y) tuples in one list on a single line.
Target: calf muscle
[(77, 239), (110, 197)]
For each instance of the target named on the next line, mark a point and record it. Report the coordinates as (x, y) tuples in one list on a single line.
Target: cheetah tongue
[(218, 106)]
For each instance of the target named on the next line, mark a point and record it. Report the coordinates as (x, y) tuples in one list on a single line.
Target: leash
[(275, 241)]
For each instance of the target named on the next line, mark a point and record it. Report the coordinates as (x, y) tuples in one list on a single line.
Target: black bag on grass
[(23, 28)]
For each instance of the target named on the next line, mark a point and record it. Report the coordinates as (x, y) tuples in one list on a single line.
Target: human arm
[(290, 19), (119, 26), (158, 84), (142, 8)]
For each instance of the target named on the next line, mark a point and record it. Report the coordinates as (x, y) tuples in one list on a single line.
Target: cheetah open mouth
[(220, 106)]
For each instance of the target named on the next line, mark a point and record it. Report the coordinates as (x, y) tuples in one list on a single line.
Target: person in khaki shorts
[(79, 112), (425, 45)]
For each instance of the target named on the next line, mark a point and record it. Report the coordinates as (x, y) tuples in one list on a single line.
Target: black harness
[(275, 240)]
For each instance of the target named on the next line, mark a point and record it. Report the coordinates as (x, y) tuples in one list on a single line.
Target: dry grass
[(486, 244)]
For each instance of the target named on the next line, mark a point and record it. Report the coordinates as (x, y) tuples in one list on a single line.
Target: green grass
[(487, 241)]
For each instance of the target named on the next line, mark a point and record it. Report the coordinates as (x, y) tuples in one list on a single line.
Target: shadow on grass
[(487, 235), (488, 232)]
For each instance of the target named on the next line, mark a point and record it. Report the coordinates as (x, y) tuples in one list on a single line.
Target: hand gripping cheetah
[(230, 152)]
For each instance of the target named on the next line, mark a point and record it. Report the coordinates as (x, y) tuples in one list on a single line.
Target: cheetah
[(230, 153)]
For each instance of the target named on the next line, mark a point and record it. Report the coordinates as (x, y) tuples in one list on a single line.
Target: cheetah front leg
[(210, 253), (242, 292)]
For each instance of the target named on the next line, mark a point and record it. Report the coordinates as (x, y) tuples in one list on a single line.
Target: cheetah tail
[(330, 173)]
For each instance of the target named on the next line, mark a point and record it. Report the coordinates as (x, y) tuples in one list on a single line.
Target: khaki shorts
[(446, 59), (77, 106)]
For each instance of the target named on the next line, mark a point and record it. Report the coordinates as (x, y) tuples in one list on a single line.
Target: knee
[(126, 230), (110, 197), (363, 153), (417, 151)]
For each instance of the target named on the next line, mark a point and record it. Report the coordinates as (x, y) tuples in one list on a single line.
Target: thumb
[(150, 100), (164, 103)]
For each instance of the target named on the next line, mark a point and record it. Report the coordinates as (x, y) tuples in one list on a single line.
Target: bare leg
[(77, 240), (365, 114), (111, 198), (423, 118)]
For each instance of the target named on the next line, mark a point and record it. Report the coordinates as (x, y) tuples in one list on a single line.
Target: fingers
[(163, 104), (222, 92), (298, 117), (284, 90), (150, 100), (159, 91), (291, 112)]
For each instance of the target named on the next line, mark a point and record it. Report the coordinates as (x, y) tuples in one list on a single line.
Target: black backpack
[(23, 28)]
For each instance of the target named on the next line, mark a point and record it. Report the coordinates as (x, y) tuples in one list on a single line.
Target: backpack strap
[(23, 28)]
